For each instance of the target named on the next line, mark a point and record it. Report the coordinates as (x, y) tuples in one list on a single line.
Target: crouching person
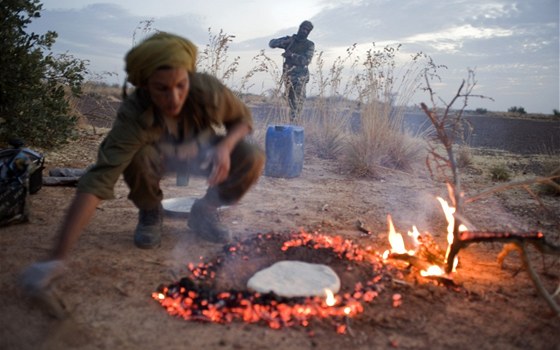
[(166, 125)]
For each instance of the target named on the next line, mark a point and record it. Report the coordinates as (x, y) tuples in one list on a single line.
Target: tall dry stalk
[(384, 90), (329, 113), (214, 58)]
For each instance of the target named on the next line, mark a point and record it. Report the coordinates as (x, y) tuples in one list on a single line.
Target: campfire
[(204, 296), (216, 291)]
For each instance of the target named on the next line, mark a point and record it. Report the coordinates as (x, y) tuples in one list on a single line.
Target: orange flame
[(395, 238), (330, 300), (397, 243), (433, 270), (449, 211)]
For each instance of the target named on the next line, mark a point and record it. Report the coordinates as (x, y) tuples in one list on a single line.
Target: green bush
[(499, 173), (34, 83), (481, 111), (518, 110)]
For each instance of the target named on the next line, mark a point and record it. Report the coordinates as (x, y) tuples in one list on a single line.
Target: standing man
[(298, 52)]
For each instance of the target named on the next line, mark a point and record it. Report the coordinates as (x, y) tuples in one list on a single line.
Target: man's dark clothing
[(298, 52)]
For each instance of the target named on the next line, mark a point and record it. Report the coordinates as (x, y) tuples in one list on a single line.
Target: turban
[(159, 50)]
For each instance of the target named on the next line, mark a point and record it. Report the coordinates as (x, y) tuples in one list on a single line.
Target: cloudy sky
[(512, 45)]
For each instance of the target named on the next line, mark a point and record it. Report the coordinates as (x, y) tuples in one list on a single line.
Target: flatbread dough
[(295, 279)]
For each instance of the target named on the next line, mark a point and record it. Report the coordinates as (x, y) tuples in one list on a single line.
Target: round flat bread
[(295, 279)]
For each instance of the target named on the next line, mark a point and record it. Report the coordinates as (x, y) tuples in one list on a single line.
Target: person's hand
[(287, 54), (221, 163), (38, 277), (37, 283)]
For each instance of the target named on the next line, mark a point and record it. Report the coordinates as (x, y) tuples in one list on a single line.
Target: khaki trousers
[(149, 166)]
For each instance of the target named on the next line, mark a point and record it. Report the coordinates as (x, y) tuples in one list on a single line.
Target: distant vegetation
[(34, 84), (517, 110)]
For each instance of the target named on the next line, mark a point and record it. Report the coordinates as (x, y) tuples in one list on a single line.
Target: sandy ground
[(108, 288)]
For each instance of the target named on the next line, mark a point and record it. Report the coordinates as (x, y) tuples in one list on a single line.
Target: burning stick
[(536, 238), (413, 260), (425, 268), (361, 226)]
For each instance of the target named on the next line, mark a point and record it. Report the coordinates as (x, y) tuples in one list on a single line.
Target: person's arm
[(222, 152), (37, 278), (78, 216), (97, 184), (229, 111), (280, 43), (301, 58)]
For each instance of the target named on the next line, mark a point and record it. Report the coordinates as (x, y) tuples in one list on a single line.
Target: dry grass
[(500, 173)]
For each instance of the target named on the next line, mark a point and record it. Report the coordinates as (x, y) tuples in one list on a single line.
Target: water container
[(284, 151)]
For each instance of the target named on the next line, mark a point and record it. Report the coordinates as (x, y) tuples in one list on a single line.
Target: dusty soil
[(110, 282)]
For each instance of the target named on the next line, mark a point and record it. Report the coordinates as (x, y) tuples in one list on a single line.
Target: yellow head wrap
[(161, 49)]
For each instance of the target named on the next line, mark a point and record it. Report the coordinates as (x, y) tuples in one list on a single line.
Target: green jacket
[(209, 105)]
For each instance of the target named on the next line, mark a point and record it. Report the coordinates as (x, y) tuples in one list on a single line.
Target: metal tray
[(178, 207)]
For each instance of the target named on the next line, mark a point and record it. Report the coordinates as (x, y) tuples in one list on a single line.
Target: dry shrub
[(327, 127), (464, 157), (381, 140), (552, 188), (500, 173), (358, 114), (382, 143)]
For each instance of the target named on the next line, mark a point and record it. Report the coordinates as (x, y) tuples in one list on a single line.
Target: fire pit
[(216, 290)]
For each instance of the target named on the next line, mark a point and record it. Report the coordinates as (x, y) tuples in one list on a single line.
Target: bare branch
[(510, 185), (536, 280)]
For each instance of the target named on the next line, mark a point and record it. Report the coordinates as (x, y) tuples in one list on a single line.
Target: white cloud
[(451, 39), (495, 10)]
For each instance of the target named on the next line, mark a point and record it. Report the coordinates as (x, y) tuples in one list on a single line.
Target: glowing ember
[(397, 300), (193, 298)]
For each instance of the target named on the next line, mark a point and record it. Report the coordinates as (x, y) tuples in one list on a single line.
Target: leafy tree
[(34, 82)]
